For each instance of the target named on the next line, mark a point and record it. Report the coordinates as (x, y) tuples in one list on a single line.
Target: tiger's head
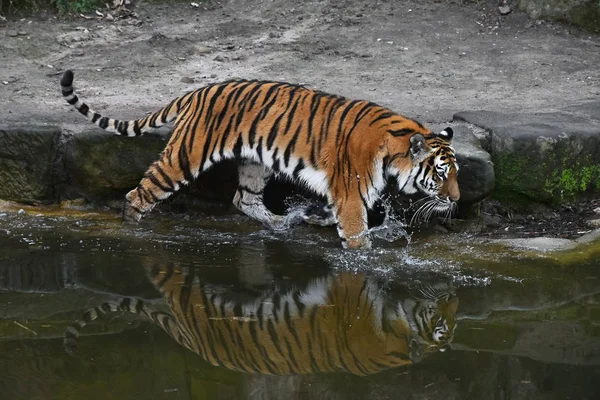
[(425, 163), (434, 319)]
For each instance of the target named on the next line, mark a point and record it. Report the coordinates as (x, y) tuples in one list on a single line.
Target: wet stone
[(12, 33), (105, 166), (28, 161)]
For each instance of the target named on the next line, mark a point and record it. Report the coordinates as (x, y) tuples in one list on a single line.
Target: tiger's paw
[(131, 212), (319, 215)]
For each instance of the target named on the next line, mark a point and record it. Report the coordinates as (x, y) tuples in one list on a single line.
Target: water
[(527, 325)]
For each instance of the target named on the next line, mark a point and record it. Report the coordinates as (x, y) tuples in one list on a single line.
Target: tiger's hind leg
[(252, 179), (321, 215)]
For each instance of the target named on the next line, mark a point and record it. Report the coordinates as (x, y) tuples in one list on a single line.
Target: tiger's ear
[(446, 134), (418, 148)]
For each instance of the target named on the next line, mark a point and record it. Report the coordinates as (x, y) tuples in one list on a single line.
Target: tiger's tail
[(128, 304), (126, 128)]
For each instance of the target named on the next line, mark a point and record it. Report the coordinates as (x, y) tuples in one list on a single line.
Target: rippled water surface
[(220, 308)]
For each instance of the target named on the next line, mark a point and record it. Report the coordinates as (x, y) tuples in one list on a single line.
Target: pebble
[(446, 74), (597, 210), (213, 75), (219, 58), (12, 33), (21, 212), (594, 223), (203, 50), (504, 10), (23, 33), (187, 79)]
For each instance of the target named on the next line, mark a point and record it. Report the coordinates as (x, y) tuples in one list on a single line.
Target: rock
[(219, 58), (543, 244), (203, 50), (23, 33), (476, 171), (504, 10), (187, 79), (597, 210), (594, 223), (28, 161), (547, 158), (12, 33), (103, 166), (582, 13)]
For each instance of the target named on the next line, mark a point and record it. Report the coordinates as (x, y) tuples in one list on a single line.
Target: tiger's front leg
[(352, 224), (159, 182)]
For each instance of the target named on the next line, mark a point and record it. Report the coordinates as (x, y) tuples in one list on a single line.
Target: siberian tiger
[(342, 149), (341, 322)]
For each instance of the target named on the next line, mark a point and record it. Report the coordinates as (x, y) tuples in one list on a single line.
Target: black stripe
[(103, 123), (290, 351), (290, 324), (274, 337), (226, 134), (291, 146), (298, 168), (237, 148), (401, 132), (275, 167), (84, 109), (184, 163), (259, 149), (73, 100), (380, 117), (136, 128), (350, 105), (274, 132), (299, 305), (67, 91), (276, 306), (291, 114)]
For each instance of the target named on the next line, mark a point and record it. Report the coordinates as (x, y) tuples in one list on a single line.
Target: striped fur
[(342, 149), (337, 323)]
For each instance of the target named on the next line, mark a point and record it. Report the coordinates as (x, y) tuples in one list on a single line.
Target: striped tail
[(126, 304), (125, 128)]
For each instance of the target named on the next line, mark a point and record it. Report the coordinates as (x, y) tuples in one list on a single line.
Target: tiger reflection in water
[(343, 322)]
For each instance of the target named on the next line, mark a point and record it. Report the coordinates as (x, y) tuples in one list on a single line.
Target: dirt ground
[(427, 59)]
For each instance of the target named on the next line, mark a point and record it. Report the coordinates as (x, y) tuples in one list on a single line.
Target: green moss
[(565, 185), (522, 178), (77, 6)]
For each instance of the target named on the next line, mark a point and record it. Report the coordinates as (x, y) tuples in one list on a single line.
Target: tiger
[(341, 149), (337, 323)]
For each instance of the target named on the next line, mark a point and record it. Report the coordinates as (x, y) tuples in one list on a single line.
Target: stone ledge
[(28, 159), (549, 158), (102, 168)]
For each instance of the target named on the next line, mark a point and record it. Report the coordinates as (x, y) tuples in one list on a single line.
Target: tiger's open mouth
[(429, 206)]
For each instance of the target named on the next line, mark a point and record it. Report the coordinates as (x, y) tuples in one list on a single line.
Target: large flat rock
[(28, 161), (583, 13), (542, 157), (103, 166)]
